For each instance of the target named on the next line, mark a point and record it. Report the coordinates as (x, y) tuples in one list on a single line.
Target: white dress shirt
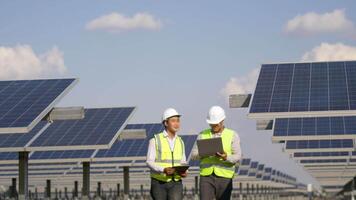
[(151, 153)]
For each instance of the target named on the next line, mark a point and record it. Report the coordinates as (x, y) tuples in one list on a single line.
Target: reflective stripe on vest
[(217, 165), (166, 158)]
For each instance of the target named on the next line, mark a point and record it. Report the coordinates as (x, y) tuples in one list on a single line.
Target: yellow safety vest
[(166, 158), (215, 164)]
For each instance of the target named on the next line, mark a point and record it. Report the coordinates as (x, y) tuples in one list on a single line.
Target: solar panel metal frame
[(9, 130), (273, 115)]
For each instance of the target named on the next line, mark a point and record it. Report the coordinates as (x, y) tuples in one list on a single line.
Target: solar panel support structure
[(133, 134), (66, 193), (126, 172), (196, 183), (118, 190), (239, 100), (67, 113), (264, 124), (48, 189), (75, 193), (23, 176), (13, 188), (86, 180), (98, 191)]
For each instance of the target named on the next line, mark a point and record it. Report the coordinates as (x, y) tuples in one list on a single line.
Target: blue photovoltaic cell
[(261, 167), (99, 127), (132, 147), (245, 162), (315, 126), (24, 101), (264, 89), (320, 86), (19, 139), (243, 172), (319, 144), (9, 156), (254, 164), (321, 154)]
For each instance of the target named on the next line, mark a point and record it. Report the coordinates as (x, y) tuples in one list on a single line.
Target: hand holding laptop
[(211, 147)]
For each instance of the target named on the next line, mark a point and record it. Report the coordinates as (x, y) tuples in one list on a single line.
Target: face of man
[(173, 124), (217, 128)]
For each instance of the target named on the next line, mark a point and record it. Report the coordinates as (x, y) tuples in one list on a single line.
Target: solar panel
[(99, 129), (319, 144), (301, 87), (324, 161), (24, 103), (315, 126), (321, 154), (61, 155), (16, 142), (245, 162)]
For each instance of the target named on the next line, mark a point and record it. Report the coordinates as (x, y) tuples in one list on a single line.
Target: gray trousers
[(166, 190), (214, 187)]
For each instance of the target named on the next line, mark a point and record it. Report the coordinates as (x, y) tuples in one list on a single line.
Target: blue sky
[(186, 63)]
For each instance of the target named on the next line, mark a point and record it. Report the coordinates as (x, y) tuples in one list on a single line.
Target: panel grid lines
[(319, 86)]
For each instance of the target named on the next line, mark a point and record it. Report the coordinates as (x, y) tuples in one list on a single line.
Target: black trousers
[(166, 190), (214, 187)]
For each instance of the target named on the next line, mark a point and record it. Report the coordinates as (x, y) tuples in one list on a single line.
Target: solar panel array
[(296, 87), (24, 103), (313, 106)]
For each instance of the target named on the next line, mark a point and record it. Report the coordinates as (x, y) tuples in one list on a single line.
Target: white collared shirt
[(151, 153)]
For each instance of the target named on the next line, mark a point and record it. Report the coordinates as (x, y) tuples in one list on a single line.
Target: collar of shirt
[(170, 141), (165, 134)]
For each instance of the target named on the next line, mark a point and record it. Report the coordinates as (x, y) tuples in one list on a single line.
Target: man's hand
[(169, 171), (222, 155)]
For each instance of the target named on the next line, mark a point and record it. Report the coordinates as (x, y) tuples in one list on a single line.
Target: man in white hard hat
[(217, 172), (165, 150)]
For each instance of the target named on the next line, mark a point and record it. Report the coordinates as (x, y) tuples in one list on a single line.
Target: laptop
[(209, 147)]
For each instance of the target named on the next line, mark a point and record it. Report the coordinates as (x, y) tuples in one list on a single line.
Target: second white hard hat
[(168, 113), (216, 115)]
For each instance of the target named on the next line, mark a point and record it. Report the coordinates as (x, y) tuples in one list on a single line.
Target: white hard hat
[(216, 115), (168, 113)]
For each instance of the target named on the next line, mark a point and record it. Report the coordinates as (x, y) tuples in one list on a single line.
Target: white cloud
[(241, 85), (21, 62), (330, 52), (313, 23), (116, 22)]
